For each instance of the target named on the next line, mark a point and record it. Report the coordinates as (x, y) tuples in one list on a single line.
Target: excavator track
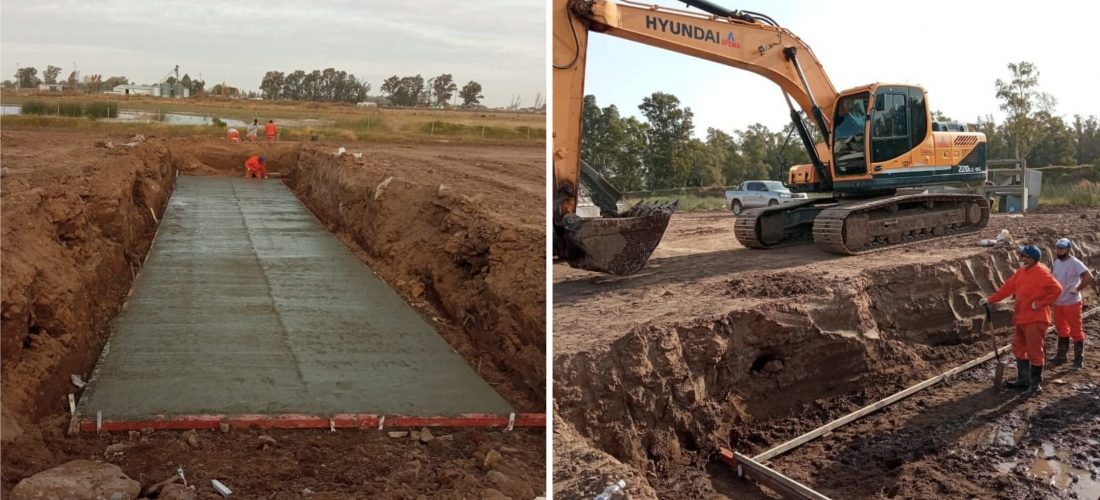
[(866, 226), (779, 225)]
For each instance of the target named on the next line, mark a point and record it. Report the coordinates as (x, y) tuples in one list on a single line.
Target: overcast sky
[(498, 43), (955, 49)]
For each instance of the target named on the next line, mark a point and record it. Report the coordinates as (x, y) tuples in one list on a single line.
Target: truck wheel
[(772, 203), (737, 208)]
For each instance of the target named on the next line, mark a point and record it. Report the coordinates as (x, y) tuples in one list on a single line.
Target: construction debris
[(221, 488)]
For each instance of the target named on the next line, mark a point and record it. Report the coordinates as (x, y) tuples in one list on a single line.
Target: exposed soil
[(715, 345), (77, 225)]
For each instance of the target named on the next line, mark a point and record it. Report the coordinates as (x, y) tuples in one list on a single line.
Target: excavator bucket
[(620, 244)]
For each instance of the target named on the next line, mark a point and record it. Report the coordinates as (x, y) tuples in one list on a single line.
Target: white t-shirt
[(1068, 273)]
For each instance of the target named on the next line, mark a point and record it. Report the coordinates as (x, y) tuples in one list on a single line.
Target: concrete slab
[(248, 305)]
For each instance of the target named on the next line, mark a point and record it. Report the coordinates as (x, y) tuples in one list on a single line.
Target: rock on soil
[(77, 480)]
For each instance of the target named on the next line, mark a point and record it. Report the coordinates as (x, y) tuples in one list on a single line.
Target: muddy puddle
[(1050, 464)]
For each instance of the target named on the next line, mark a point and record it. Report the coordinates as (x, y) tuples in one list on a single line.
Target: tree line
[(661, 150), (95, 83), (327, 85), (437, 91)]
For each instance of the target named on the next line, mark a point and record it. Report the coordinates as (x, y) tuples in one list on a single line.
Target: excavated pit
[(655, 402), (80, 214)]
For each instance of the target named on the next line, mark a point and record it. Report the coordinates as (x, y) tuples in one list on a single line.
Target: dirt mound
[(77, 222), (772, 286), (664, 394)]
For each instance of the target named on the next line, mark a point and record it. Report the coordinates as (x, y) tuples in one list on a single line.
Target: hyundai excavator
[(870, 168)]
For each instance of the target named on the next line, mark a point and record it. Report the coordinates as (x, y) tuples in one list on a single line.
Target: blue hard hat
[(1064, 243), (1031, 251)]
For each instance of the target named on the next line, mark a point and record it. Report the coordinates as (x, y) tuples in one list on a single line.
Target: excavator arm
[(621, 244)]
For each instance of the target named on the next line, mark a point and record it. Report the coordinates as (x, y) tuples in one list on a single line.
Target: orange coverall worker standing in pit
[(255, 166), (1035, 290), (270, 130)]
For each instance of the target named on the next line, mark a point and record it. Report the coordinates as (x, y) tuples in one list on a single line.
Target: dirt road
[(457, 231), (715, 345)]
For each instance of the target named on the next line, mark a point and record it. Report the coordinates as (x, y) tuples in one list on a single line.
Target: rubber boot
[(1063, 349), (1035, 387), (1023, 375), (1078, 355)]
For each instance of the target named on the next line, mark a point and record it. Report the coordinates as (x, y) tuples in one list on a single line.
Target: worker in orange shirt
[(271, 131), (1035, 290), (255, 166)]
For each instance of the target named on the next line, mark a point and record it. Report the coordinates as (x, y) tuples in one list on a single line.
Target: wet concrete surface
[(247, 304)]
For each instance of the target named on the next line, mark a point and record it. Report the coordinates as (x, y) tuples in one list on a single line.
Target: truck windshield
[(851, 114), (776, 186)]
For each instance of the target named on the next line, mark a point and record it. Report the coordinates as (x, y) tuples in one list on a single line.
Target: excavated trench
[(73, 242), (668, 394)]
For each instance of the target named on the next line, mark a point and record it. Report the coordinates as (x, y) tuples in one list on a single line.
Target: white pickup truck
[(756, 194)]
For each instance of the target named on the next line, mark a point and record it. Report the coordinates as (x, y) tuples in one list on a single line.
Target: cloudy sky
[(955, 49), (498, 43)]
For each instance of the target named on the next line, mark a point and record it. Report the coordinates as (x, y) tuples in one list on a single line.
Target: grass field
[(339, 121), (1077, 185)]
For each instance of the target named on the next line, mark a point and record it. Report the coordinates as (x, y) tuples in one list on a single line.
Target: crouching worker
[(255, 166), (1035, 290)]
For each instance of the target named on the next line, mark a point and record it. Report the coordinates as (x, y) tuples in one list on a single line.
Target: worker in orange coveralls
[(255, 166), (270, 131), (1035, 290)]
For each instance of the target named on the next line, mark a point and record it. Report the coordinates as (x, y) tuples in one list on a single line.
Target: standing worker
[(252, 129), (1074, 277), (1035, 290), (270, 131), (255, 166)]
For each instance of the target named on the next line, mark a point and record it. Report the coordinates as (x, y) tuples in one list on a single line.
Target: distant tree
[(443, 88), (115, 81), (187, 83), (1021, 100), (50, 75), (72, 81), (94, 83), (669, 131), (403, 91), (1086, 133), (938, 116), (470, 94), (27, 77), (7, 84), (272, 84), (294, 86), (757, 144), (1054, 142), (170, 80)]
